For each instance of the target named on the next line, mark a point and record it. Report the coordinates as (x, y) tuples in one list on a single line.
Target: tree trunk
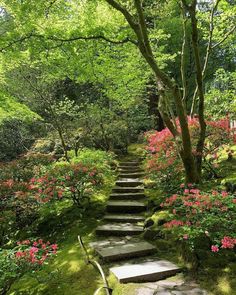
[(153, 100), (63, 143), (199, 78)]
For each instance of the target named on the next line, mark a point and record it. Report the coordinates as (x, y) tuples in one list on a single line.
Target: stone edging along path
[(134, 259)]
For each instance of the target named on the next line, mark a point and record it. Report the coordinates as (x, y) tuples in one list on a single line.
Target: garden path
[(130, 257)]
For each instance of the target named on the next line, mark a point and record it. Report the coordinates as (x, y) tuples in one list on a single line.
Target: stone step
[(124, 249), (129, 168), (124, 217), (134, 163), (119, 229), (120, 189), (128, 182), (145, 272), (131, 175), (125, 206), (137, 170), (127, 196)]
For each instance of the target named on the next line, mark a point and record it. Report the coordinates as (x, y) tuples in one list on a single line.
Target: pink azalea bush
[(163, 161), (196, 214), (34, 252), (74, 181), (28, 255)]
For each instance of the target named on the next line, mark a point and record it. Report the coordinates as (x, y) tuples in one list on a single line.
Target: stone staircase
[(123, 225)]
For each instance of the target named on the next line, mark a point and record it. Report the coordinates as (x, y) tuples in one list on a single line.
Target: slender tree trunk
[(153, 101), (199, 78), (63, 143)]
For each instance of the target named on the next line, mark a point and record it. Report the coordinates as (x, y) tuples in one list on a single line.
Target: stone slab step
[(127, 196), (129, 168), (124, 217), (145, 272), (126, 206), (127, 250), (128, 182), (135, 175), (134, 163), (120, 189), (137, 170), (119, 229)]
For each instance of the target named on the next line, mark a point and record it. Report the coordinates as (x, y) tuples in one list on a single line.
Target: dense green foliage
[(80, 81)]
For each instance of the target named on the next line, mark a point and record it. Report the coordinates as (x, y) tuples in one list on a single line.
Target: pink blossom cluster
[(175, 223), (226, 243), (35, 252)]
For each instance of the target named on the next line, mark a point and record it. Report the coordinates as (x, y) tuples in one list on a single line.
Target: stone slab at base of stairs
[(145, 272)]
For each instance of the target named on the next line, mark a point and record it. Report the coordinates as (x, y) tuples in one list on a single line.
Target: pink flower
[(186, 191), (228, 242), (25, 242), (185, 237), (33, 250), (19, 254), (54, 246), (214, 248), (195, 191), (224, 194)]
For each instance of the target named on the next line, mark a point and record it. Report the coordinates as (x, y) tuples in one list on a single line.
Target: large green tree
[(59, 32)]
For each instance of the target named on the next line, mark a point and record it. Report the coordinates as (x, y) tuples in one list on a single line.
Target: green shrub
[(17, 136)]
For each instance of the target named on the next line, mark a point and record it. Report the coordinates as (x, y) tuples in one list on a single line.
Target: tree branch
[(125, 12), (101, 37), (72, 39), (225, 37), (143, 27), (20, 40)]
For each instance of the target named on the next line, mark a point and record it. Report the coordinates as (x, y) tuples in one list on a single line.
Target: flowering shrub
[(18, 208), (34, 252), (28, 255), (196, 214), (23, 168), (163, 160), (76, 181)]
